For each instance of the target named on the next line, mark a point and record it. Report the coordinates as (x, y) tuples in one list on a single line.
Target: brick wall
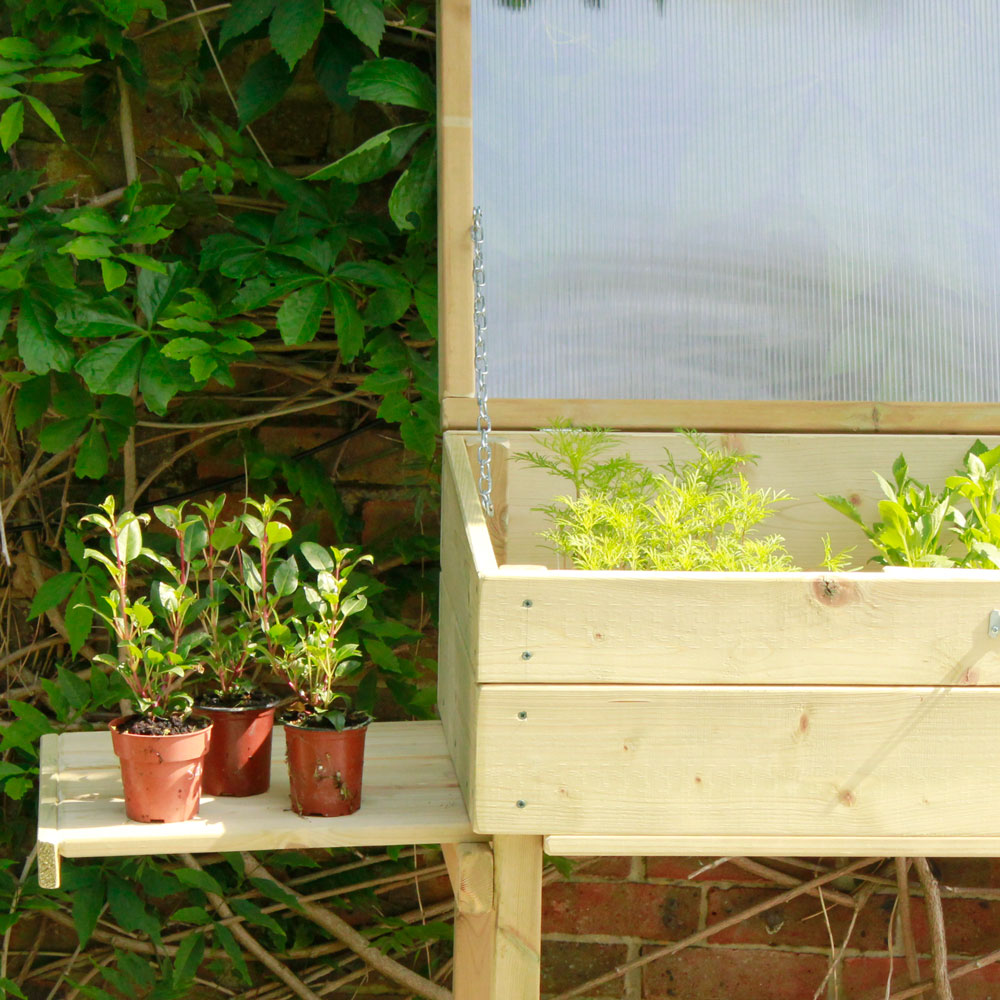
[(619, 909)]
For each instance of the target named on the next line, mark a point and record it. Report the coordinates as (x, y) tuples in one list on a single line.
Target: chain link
[(483, 425)]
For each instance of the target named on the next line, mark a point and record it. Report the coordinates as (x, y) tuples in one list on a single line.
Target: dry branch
[(935, 917)]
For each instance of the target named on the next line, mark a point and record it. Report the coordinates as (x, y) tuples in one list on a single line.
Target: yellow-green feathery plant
[(699, 514)]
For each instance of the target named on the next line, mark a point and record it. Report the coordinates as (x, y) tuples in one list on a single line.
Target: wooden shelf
[(410, 796)]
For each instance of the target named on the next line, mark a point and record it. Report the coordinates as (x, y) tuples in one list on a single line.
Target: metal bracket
[(994, 629)]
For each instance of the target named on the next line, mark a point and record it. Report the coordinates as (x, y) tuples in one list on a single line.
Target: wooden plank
[(499, 465), (48, 812), (518, 895), (925, 627), (459, 413), (710, 845), (850, 763), (470, 868), (455, 289), (408, 797)]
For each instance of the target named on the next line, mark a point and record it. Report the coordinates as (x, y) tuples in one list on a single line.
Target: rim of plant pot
[(299, 720), (272, 701), (115, 724)]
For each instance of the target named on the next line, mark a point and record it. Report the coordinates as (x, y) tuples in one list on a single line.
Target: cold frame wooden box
[(803, 713)]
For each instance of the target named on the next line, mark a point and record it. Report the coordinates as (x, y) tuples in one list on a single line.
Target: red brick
[(681, 868), (865, 978), (653, 912), (798, 922), (384, 518), (566, 964), (972, 926), (728, 974), (606, 868)]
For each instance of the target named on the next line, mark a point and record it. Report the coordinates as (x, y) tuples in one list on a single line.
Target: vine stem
[(29, 861), (905, 922), (935, 917)]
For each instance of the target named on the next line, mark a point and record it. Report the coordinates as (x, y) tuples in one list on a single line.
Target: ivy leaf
[(32, 401), (61, 434), (113, 275), (411, 201), (244, 16), (39, 344), (113, 367), (189, 956), (392, 81), (11, 125), (365, 19), (349, 326), (337, 53), (88, 901), (295, 25), (92, 457), (262, 87), (374, 158), (300, 314)]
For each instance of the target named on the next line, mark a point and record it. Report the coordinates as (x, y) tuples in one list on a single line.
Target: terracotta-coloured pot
[(161, 774), (239, 756), (324, 769)]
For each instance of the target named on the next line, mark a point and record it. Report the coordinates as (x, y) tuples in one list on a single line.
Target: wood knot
[(846, 797), (834, 593), (803, 722)]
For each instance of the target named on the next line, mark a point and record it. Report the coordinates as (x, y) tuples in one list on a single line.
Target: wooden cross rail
[(411, 796)]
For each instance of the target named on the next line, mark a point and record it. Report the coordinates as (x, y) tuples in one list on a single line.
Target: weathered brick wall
[(620, 909)]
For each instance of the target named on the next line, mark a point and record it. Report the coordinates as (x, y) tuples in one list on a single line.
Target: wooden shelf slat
[(410, 796)]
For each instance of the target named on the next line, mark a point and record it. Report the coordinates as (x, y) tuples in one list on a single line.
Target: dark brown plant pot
[(324, 769), (239, 756), (161, 775)]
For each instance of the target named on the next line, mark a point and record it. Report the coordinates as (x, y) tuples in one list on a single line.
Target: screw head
[(526, 655), (520, 803), (527, 604), (522, 715)]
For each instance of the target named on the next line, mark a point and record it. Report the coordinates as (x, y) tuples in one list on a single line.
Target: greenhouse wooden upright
[(756, 222)]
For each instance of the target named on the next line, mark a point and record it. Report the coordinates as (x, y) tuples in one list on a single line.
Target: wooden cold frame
[(806, 712)]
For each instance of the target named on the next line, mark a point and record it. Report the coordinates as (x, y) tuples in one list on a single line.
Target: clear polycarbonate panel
[(740, 199)]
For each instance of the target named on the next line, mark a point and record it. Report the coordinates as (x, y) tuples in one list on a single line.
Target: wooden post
[(518, 899), (470, 867)]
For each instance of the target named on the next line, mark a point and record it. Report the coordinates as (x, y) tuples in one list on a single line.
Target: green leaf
[(275, 892), (113, 275), (71, 398), (127, 908), (300, 314), (244, 16), (374, 273), (39, 344), (387, 306), (120, 409), (318, 556), (143, 259), (262, 87), (18, 49), (154, 292), (393, 81), (91, 220), (224, 937), (8, 988), (88, 247), (61, 434), (199, 879), (11, 125), (192, 915), (365, 19), (412, 200), (131, 550), (113, 367), (79, 617), (92, 457), (32, 401), (157, 381), (52, 593), (349, 326), (426, 300), (42, 110), (294, 27), (286, 577), (253, 914), (76, 690), (337, 53), (189, 956), (374, 158)]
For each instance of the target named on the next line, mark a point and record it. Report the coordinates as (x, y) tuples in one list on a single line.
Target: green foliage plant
[(310, 653), (154, 666), (699, 514), (957, 525)]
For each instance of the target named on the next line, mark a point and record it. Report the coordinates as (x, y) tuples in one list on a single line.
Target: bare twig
[(905, 922), (864, 894), (340, 929), (782, 878), (713, 929), (29, 861), (252, 945), (935, 917)]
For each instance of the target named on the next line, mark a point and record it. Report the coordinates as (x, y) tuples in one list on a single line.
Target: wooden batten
[(809, 765)]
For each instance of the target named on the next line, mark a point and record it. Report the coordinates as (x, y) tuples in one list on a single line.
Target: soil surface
[(308, 720), (168, 725), (245, 699)]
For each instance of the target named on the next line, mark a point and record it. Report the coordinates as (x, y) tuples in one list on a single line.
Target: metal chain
[(479, 318)]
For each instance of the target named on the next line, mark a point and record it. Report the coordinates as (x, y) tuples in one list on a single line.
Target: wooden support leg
[(517, 881), (470, 867)]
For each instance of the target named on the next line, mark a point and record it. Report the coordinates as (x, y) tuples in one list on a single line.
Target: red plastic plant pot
[(324, 769), (239, 757), (161, 775)]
